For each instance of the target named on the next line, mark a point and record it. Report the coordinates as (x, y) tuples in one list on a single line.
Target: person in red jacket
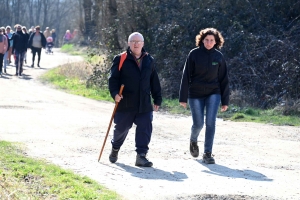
[(204, 85), (141, 83)]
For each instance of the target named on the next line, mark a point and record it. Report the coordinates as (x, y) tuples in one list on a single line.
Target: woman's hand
[(224, 108), (183, 104)]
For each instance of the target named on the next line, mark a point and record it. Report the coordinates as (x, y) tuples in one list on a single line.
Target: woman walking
[(204, 85), (36, 42)]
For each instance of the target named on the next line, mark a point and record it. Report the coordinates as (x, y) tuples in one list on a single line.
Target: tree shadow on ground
[(153, 173), (221, 170)]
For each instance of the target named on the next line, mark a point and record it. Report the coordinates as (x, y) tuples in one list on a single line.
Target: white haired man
[(140, 79)]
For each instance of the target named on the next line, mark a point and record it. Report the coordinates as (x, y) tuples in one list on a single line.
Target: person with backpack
[(204, 85), (141, 83), (3, 48)]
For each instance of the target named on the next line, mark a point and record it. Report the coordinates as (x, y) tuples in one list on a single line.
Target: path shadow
[(26, 77), (152, 173), (5, 76), (221, 170)]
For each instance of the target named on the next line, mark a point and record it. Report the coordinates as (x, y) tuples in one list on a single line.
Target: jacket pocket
[(128, 100), (147, 98)]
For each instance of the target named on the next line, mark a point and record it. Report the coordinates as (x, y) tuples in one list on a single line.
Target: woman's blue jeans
[(211, 105)]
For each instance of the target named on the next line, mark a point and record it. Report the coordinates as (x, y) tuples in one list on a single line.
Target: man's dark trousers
[(124, 121)]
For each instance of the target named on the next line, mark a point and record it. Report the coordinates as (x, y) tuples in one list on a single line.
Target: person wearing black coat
[(36, 42), (19, 48), (204, 85), (141, 84)]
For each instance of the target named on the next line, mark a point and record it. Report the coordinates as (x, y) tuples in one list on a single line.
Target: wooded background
[(262, 37)]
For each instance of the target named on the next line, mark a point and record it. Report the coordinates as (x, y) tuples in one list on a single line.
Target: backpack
[(122, 59)]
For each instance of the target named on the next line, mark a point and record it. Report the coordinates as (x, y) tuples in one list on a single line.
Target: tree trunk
[(87, 8)]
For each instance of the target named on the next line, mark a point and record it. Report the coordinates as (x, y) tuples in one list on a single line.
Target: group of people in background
[(68, 37), (17, 42)]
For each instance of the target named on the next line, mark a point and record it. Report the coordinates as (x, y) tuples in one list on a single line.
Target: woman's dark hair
[(210, 31)]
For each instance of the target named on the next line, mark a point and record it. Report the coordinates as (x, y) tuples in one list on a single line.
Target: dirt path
[(254, 161)]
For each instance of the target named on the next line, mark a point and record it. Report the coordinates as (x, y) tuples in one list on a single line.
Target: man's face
[(8, 30), (136, 44)]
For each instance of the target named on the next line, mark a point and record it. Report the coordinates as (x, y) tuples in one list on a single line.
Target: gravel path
[(253, 161)]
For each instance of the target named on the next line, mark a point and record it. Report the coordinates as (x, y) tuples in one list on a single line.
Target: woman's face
[(209, 42)]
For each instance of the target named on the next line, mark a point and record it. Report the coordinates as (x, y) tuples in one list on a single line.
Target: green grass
[(92, 58), (71, 49), (259, 116), (172, 106), (26, 178), (75, 86)]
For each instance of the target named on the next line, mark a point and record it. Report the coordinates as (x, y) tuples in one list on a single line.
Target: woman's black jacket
[(139, 84), (205, 73)]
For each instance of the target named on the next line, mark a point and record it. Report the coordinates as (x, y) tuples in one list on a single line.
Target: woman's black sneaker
[(194, 149), (208, 158)]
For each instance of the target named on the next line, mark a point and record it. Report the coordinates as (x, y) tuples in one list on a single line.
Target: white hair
[(133, 34)]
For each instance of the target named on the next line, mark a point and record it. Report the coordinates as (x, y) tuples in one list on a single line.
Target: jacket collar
[(144, 53), (206, 50)]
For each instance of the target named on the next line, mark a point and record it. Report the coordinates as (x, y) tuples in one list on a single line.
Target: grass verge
[(70, 49), (26, 178), (270, 116), (63, 78)]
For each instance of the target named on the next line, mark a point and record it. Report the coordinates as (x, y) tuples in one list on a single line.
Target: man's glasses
[(136, 42)]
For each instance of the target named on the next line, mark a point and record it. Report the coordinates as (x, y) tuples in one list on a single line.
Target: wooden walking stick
[(111, 119)]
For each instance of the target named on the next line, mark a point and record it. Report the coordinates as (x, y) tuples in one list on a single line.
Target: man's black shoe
[(194, 149), (208, 158), (142, 161), (113, 157)]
